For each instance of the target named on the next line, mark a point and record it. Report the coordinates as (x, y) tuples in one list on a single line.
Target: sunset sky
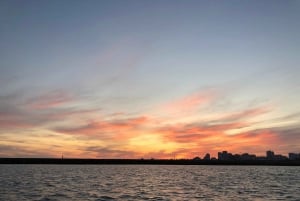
[(148, 79)]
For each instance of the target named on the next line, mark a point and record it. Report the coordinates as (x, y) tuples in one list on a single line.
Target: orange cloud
[(145, 136), (192, 137), (120, 129), (203, 138), (253, 142), (193, 132)]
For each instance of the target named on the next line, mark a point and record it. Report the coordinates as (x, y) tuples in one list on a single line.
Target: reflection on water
[(148, 182)]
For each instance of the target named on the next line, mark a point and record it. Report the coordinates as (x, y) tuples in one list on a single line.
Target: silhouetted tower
[(270, 155)]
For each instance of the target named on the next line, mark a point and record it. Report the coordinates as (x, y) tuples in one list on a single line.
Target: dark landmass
[(147, 161)]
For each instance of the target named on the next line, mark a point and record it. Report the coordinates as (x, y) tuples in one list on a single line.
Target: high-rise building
[(270, 155)]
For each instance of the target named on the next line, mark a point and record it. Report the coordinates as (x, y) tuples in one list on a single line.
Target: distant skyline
[(148, 79)]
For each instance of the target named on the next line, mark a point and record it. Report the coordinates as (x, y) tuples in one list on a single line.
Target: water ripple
[(148, 182)]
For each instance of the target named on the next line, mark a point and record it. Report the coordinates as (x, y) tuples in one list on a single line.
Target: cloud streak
[(191, 102), (123, 136), (38, 111), (117, 129), (50, 100)]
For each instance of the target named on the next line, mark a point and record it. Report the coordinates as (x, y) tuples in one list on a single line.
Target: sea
[(148, 182)]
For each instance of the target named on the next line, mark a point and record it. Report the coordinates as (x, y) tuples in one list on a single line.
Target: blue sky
[(135, 57)]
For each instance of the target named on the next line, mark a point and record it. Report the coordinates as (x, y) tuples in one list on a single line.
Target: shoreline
[(87, 161)]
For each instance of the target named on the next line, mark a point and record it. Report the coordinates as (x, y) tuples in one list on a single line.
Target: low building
[(206, 157), (225, 156), (294, 156), (197, 158)]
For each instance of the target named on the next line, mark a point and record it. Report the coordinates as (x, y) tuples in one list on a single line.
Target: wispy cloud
[(119, 60), (49, 100), (201, 139), (246, 114), (22, 151), (190, 103), (121, 135), (191, 133), (38, 111), (107, 129)]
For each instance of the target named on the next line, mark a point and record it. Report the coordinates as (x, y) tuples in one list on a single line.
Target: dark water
[(148, 182)]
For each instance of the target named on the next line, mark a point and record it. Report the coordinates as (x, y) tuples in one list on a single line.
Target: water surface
[(148, 182)]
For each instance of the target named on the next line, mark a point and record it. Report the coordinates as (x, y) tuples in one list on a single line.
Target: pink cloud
[(50, 100), (248, 113), (190, 103), (14, 124)]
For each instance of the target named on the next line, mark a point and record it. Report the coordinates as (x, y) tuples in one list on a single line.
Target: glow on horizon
[(148, 80)]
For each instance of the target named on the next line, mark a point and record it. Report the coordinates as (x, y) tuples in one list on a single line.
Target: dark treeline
[(146, 161)]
